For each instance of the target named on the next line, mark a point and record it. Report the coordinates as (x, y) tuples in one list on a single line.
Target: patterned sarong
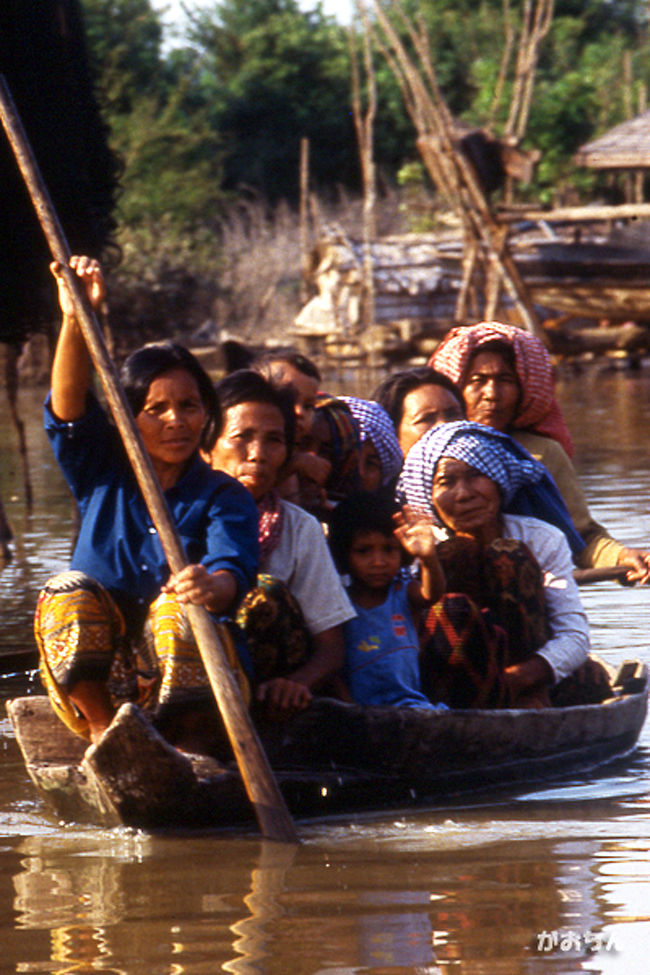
[(276, 634), (81, 635), (492, 616)]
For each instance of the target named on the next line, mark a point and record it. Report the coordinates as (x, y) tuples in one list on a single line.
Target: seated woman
[(511, 627), (507, 381), (89, 619), (294, 637), (381, 642), (417, 400), (380, 458)]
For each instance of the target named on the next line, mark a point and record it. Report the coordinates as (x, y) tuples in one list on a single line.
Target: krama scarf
[(376, 425), (538, 410), (526, 486), (271, 515)]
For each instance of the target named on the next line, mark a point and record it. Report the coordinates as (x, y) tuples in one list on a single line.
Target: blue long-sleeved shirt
[(215, 516)]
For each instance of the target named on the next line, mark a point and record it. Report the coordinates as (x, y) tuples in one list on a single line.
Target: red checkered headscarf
[(538, 409)]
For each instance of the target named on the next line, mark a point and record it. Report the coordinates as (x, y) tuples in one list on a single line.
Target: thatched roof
[(626, 146)]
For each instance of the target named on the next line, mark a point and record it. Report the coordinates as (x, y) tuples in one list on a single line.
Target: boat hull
[(332, 758)]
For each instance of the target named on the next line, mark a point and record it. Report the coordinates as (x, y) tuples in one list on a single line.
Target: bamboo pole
[(304, 220), (621, 211), (606, 574), (272, 814)]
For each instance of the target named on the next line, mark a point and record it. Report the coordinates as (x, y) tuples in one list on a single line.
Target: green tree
[(159, 122), (275, 74), (124, 37)]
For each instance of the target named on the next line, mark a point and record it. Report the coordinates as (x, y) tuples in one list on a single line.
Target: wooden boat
[(333, 757)]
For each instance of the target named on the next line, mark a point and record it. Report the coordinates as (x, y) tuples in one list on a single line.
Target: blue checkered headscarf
[(526, 486), (376, 425)]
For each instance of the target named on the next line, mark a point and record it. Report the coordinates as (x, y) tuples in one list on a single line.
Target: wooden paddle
[(586, 576), (270, 808)]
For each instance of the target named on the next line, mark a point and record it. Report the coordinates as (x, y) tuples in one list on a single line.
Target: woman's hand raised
[(71, 368), (90, 272)]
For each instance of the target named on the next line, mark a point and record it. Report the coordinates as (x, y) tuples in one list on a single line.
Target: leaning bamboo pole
[(449, 168), (364, 122)]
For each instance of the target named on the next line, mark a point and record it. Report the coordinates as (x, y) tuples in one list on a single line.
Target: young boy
[(367, 538)]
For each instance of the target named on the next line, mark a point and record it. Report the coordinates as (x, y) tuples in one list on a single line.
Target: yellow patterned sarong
[(82, 635)]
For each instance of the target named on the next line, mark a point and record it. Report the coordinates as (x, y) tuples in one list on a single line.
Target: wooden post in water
[(271, 811)]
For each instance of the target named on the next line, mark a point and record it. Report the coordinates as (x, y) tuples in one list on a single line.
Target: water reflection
[(252, 933), (466, 890), (480, 893)]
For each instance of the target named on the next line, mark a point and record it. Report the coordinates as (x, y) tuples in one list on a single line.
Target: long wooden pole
[(606, 574), (270, 808)]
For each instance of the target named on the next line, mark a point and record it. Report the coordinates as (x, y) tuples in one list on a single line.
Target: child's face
[(374, 559), (306, 390)]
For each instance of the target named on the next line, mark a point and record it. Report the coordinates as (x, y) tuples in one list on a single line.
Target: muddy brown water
[(553, 880)]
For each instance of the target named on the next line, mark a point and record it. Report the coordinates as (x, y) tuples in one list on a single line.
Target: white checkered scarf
[(538, 410), (376, 425), (483, 448)]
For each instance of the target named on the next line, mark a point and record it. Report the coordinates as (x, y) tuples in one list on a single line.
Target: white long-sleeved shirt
[(302, 560)]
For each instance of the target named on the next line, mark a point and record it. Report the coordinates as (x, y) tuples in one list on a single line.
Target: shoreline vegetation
[(217, 212)]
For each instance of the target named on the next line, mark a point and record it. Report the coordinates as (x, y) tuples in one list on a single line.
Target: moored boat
[(333, 757)]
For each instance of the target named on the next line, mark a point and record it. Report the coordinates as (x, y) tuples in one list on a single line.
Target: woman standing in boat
[(90, 619), (511, 626), (506, 377)]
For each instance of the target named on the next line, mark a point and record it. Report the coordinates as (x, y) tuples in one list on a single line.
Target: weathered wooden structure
[(519, 264), (332, 757), (625, 148), (574, 285)]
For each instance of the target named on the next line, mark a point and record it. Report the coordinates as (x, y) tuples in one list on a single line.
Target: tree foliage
[(225, 113), (276, 74)]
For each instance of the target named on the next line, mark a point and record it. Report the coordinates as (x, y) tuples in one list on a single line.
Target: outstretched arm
[(71, 369)]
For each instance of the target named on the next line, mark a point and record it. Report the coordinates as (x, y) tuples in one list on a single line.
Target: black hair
[(265, 363), (146, 364), (360, 512), (393, 390), (249, 386)]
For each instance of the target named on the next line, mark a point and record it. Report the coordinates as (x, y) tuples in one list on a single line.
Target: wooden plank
[(624, 211)]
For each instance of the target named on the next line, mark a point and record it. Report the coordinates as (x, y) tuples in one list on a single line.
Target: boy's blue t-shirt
[(381, 651)]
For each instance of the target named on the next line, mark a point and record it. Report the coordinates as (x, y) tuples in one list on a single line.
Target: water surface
[(556, 879)]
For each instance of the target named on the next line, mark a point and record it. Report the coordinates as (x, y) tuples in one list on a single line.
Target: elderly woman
[(381, 457), (293, 618), (511, 626), (417, 400), (507, 381), (90, 621)]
